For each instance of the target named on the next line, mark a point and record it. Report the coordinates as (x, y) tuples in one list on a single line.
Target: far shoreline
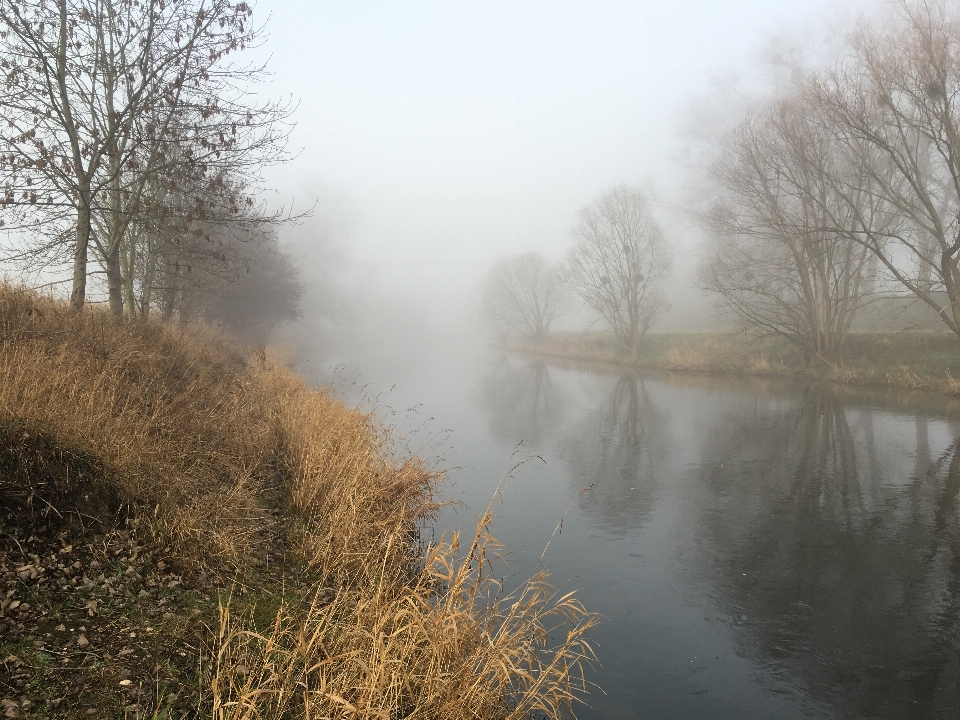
[(918, 361)]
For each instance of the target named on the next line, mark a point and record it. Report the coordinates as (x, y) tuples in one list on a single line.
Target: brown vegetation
[(256, 535), (915, 361)]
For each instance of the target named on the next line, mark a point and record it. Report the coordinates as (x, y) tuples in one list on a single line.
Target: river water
[(758, 549)]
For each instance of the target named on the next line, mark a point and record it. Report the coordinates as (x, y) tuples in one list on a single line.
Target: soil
[(93, 621)]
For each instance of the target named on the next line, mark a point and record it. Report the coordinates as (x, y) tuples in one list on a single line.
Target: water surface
[(758, 549)]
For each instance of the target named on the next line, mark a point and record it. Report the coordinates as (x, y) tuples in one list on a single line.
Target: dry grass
[(684, 358), (383, 634), (168, 413), (841, 373), (356, 497), (905, 377), (223, 457), (446, 645), (952, 386), (914, 361), (698, 353)]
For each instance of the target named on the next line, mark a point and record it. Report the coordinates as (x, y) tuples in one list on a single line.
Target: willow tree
[(782, 259), (618, 263), (892, 104)]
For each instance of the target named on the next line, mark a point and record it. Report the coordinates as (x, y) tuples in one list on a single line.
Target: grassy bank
[(916, 361), (187, 530)]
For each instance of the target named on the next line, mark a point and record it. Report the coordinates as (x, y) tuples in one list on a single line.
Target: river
[(757, 548)]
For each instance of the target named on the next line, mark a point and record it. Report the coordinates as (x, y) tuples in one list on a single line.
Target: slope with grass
[(915, 361), (187, 530)]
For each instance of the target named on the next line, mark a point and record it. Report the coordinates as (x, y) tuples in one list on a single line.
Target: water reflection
[(617, 450), (837, 559), (521, 400), (815, 528)]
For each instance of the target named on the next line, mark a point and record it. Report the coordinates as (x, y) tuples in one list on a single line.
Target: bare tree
[(893, 105), (618, 263), (779, 261), (522, 293), (197, 222), (104, 95)]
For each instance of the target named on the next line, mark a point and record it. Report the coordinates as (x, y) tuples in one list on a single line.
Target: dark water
[(758, 549)]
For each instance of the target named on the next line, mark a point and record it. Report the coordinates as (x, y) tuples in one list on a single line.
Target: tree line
[(839, 189), (133, 147)]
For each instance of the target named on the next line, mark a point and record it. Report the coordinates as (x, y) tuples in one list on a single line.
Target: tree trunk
[(634, 341), (149, 273), (129, 273), (114, 280), (949, 272), (79, 293), (172, 281)]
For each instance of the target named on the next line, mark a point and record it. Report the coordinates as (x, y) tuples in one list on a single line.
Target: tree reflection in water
[(617, 449), (842, 578), (824, 530), (521, 400)]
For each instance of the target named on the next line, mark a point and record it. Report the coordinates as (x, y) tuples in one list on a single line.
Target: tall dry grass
[(357, 497), (447, 645), (907, 360), (179, 428), (385, 633), (222, 455)]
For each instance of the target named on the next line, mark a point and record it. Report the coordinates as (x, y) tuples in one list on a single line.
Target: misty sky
[(447, 133)]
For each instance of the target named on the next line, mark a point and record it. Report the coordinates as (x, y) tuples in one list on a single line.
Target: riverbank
[(189, 530), (914, 361)]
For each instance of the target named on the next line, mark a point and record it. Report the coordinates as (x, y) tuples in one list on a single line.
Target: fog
[(436, 136)]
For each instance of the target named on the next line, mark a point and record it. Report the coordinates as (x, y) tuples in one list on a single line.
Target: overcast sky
[(452, 132)]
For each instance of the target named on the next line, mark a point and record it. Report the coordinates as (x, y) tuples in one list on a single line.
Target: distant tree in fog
[(780, 260), (248, 289), (618, 263), (522, 294)]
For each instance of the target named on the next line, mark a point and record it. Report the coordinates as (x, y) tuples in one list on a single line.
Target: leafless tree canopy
[(781, 261), (254, 288), (524, 294), (858, 167), (618, 263), (129, 131), (892, 105)]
